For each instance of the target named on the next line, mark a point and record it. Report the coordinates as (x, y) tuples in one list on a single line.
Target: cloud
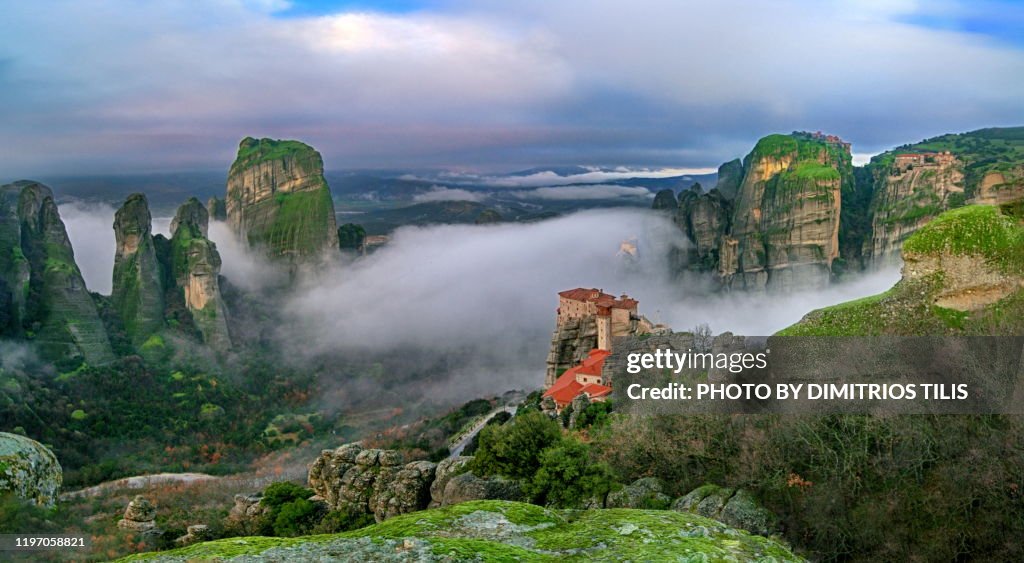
[(551, 178), (121, 85), (598, 191), (487, 295), (90, 228), (441, 193)]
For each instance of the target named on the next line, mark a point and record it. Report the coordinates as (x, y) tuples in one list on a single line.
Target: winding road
[(457, 447)]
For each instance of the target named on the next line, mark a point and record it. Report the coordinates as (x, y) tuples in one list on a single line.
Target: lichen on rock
[(29, 469)]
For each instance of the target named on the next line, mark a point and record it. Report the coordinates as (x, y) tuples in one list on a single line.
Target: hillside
[(964, 274), (507, 531)]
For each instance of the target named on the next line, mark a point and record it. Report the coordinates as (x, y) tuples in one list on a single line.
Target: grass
[(252, 152), (978, 230)]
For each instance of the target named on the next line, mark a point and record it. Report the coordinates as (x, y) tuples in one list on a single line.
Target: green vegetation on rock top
[(254, 151), (973, 230)]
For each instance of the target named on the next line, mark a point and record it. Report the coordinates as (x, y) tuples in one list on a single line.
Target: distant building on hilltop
[(615, 316), (904, 161), (588, 321)]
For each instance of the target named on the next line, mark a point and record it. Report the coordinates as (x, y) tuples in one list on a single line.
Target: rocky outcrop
[(735, 507), (197, 273), (217, 208), (665, 200), (704, 217), (138, 283), (643, 493), (29, 469), (571, 342), (772, 221), (466, 487), (194, 534), (278, 201), (905, 199), (786, 219), (446, 470), (140, 517), (41, 288), (371, 481)]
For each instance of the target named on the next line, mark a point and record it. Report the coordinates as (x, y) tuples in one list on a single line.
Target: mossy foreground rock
[(28, 469), (507, 531)]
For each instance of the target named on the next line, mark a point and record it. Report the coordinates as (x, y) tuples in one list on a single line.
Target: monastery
[(614, 316)]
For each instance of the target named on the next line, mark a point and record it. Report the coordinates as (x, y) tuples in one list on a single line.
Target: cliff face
[(155, 278), (45, 291), (771, 222), (905, 200), (196, 273), (983, 167), (571, 342), (138, 282), (963, 274), (278, 201)]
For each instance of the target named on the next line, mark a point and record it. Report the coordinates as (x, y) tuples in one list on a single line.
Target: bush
[(567, 476), (337, 521), (514, 449), (297, 518)]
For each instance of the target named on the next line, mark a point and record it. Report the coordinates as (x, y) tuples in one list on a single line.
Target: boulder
[(194, 534), (735, 507), (29, 469), (447, 469), (466, 487), (642, 493), (371, 481), (140, 517)]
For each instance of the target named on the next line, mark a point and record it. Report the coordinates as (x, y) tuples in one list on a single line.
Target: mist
[(478, 300)]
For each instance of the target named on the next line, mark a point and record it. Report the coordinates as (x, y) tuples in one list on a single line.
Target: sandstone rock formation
[(138, 282), (786, 218), (905, 200), (155, 278), (42, 290), (278, 201), (195, 533), (139, 517), (371, 481), (217, 208), (772, 221), (196, 272), (735, 507), (29, 469), (570, 344)]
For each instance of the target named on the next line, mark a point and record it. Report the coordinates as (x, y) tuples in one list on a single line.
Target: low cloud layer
[(484, 294), (598, 191), (441, 193)]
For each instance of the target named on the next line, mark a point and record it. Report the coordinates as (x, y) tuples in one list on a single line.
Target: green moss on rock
[(510, 531)]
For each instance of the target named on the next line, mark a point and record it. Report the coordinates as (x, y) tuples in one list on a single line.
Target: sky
[(109, 86)]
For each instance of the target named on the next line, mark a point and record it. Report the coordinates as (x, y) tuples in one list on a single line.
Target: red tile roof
[(599, 298), (566, 388)]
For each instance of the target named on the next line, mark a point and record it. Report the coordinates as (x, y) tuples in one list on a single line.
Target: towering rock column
[(278, 202), (138, 284), (58, 308), (196, 272)]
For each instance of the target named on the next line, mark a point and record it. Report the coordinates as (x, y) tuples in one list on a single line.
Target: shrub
[(567, 476), (514, 449)]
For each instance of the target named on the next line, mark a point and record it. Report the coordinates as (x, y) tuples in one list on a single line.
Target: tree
[(568, 477), (351, 236), (514, 449)]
